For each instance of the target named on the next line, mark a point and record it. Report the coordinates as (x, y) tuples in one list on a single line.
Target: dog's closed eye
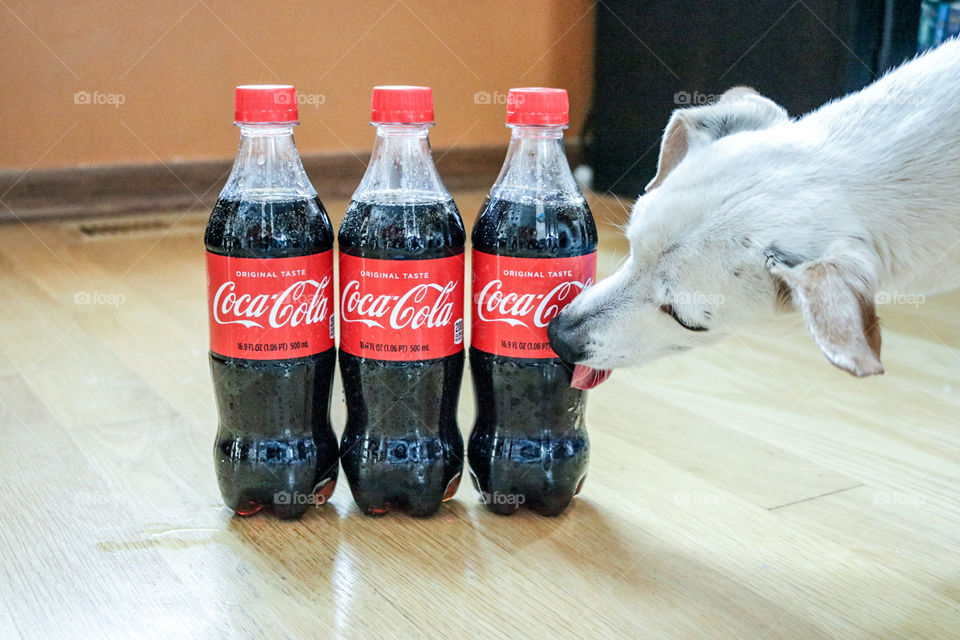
[(670, 311)]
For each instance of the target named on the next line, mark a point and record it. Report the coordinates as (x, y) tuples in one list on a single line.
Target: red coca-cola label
[(401, 309), (271, 308), (514, 299)]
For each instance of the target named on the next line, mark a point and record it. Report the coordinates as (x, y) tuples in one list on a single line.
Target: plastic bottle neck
[(268, 166), (401, 168), (536, 168)]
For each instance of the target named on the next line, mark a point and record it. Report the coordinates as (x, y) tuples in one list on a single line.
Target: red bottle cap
[(538, 105), (402, 104), (265, 103)]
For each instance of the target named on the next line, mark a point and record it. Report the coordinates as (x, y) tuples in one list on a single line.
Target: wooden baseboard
[(120, 189)]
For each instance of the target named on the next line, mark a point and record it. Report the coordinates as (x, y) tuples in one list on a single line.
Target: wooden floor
[(745, 491)]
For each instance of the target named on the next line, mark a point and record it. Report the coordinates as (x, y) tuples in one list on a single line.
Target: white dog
[(752, 214)]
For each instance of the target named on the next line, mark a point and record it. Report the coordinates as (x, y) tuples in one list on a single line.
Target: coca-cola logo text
[(401, 310), (426, 305), (517, 309), (304, 302)]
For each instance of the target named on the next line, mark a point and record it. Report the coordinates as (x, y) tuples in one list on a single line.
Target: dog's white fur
[(752, 214)]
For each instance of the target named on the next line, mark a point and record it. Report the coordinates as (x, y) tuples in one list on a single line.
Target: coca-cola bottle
[(534, 250), (270, 302), (401, 314)]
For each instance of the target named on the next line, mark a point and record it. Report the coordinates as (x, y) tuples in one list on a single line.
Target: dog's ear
[(739, 109), (836, 296)]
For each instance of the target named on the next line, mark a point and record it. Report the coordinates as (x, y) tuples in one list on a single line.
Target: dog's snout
[(566, 337)]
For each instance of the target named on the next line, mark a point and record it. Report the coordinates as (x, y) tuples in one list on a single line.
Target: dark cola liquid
[(274, 443), (529, 445), (401, 448)]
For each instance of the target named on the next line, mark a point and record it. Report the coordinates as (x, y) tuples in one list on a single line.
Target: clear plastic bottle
[(401, 300), (534, 250), (269, 249)]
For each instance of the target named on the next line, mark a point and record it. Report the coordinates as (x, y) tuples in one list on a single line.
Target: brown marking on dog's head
[(738, 109), (673, 148), (839, 311)]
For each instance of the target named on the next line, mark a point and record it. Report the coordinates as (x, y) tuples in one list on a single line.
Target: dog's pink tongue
[(586, 378)]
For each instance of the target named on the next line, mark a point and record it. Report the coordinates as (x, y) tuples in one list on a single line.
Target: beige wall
[(175, 65)]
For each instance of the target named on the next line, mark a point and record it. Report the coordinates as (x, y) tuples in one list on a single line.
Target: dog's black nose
[(564, 340)]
